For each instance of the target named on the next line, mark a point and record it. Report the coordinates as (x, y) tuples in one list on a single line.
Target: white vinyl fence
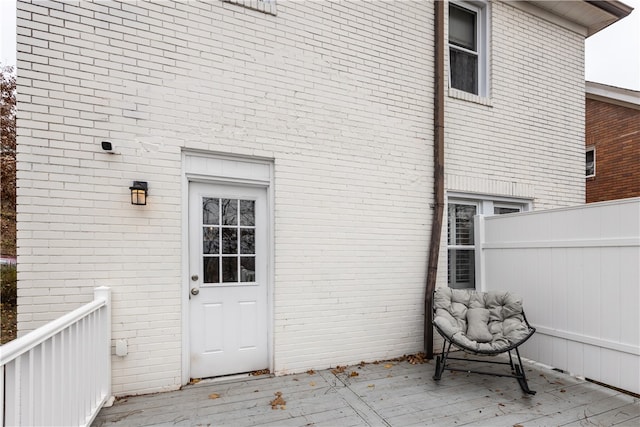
[(578, 271), (59, 374)]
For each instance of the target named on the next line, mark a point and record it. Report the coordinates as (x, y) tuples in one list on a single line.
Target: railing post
[(104, 292), (2, 401)]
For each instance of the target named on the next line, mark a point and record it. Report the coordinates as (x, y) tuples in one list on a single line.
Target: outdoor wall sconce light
[(139, 193)]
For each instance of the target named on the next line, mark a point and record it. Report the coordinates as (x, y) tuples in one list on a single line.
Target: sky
[(612, 56)]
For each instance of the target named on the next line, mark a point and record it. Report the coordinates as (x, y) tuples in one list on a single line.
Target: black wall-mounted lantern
[(139, 193)]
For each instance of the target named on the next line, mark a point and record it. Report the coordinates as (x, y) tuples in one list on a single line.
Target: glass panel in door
[(228, 240)]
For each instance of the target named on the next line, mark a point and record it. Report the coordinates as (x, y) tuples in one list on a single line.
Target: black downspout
[(438, 181)]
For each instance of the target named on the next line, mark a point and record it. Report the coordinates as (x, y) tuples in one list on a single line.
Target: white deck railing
[(59, 374)]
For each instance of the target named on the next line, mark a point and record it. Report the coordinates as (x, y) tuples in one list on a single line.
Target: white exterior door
[(228, 279)]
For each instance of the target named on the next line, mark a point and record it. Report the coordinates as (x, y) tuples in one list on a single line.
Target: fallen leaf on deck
[(418, 358), (354, 374), (339, 369), (278, 402), (214, 396), (312, 384), (311, 372), (388, 365), (371, 385)]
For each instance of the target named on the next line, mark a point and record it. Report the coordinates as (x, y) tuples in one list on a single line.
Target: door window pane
[(229, 241), (247, 212), (210, 211), (210, 240), (229, 211), (247, 269), (247, 241), (211, 270), (229, 269)]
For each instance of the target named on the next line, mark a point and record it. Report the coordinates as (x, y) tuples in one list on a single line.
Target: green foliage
[(9, 284), (8, 160)]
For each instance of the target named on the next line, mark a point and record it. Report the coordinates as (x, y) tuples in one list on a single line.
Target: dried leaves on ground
[(414, 359), (338, 370), (278, 402)]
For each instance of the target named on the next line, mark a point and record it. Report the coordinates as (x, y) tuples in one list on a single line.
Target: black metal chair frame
[(517, 369)]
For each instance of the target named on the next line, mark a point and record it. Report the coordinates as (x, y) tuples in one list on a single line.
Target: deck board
[(382, 394)]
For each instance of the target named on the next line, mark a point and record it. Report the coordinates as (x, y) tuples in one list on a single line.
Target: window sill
[(264, 6), (466, 96)]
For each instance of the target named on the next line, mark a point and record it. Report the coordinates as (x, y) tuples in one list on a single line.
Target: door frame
[(220, 168)]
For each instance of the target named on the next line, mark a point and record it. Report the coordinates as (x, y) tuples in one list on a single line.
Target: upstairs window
[(468, 47), (590, 160)]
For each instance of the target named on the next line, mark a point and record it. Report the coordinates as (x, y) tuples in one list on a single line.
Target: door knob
[(195, 291), (194, 277)]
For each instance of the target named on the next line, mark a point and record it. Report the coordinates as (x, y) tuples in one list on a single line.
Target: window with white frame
[(461, 244), (468, 25), (590, 162)]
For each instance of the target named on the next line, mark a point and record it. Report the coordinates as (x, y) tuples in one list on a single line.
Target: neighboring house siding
[(614, 131), (338, 95)]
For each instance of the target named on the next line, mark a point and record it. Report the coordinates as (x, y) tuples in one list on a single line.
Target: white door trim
[(219, 168)]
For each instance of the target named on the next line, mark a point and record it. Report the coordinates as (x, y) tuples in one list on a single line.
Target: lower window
[(461, 246)]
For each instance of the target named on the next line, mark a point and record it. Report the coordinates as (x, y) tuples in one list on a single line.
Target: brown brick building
[(612, 143)]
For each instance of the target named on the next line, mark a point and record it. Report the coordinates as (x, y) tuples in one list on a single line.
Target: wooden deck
[(382, 394)]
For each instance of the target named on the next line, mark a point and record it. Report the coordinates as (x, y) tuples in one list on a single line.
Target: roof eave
[(592, 15)]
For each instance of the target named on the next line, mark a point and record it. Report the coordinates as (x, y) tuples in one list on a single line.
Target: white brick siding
[(339, 95), (529, 142)]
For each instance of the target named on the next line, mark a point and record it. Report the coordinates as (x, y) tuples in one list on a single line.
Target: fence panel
[(59, 374), (578, 271)]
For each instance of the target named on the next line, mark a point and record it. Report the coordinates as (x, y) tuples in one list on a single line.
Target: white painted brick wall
[(529, 143), (338, 94), (533, 132)]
